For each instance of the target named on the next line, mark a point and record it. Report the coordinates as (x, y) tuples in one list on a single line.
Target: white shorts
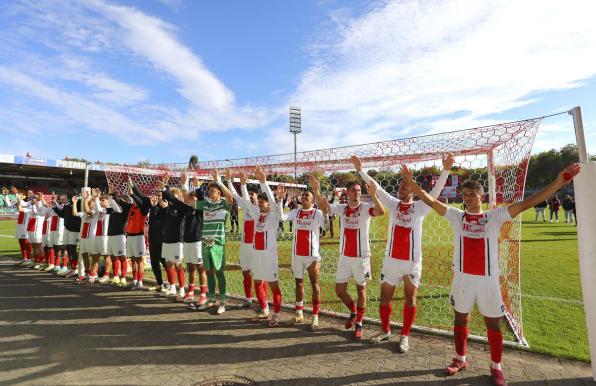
[(394, 270), (71, 238), (353, 267), (117, 245), (191, 252), (301, 263), (46, 242), (35, 237), (87, 245), (57, 239), (172, 252), (22, 232), (467, 290), (100, 246), (246, 256), (264, 266), (135, 246)]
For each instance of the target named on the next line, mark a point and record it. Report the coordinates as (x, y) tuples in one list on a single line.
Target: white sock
[(495, 365), (460, 357)]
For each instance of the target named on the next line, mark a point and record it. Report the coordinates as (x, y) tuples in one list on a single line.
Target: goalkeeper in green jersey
[(215, 211)]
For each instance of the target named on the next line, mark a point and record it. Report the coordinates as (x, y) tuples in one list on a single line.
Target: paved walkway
[(53, 331)]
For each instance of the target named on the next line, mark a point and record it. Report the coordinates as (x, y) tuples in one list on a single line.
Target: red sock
[(385, 312), (261, 294), (299, 306), (247, 286), (460, 336), (316, 306), (203, 289), (46, 256), (124, 267), (171, 275), (360, 314), (191, 288), (140, 275), (39, 259), (22, 244), (266, 288), (352, 307), (116, 267), (28, 248), (276, 300), (181, 277), (495, 341), (409, 314), (74, 264), (64, 261), (52, 257)]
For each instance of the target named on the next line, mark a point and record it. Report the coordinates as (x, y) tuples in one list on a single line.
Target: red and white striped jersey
[(405, 230), (248, 227), (89, 224), (354, 228), (56, 223), (265, 238), (102, 224), (306, 228), (22, 218), (476, 240)]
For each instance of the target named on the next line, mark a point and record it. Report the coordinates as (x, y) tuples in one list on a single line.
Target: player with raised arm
[(100, 243), (118, 210), (22, 220), (35, 227), (265, 259), (155, 233), (90, 217), (245, 202), (306, 256), (354, 261), (215, 211), (72, 229), (135, 231), (173, 227), (403, 254), (476, 261), (57, 235)]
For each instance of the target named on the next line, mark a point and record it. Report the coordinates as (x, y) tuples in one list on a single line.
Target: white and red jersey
[(476, 240), (354, 228), (306, 229), (266, 224), (404, 230), (22, 217), (37, 219), (89, 224), (248, 227), (56, 223), (101, 228)]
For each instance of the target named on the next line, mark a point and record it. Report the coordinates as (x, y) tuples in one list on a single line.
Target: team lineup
[(187, 225)]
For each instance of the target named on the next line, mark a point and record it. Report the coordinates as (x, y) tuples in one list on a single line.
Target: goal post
[(495, 155)]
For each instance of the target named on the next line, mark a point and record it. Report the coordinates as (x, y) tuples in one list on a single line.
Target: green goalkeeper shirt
[(214, 220)]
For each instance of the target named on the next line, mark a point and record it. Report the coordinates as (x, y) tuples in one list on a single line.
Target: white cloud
[(410, 66)]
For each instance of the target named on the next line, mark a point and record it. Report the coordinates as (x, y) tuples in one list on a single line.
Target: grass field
[(553, 316)]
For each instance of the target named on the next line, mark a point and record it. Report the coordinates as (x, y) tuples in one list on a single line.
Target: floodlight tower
[(295, 128)]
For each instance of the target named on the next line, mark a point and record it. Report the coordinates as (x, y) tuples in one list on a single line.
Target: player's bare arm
[(563, 178), (408, 178)]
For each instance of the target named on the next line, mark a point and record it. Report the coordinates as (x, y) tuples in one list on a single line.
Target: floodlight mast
[(295, 128)]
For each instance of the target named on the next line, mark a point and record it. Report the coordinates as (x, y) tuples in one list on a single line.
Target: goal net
[(497, 156)]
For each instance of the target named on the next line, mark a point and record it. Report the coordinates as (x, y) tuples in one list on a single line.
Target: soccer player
[(476, 261), (57, 236), (215, 210), (307, 223), (22, 221), (265, 259), (135, 235), (354, 261), (246, 201), (119, 208), (100, 243), (35, 226), (403, 254), (90, 218), (46, 241), (72, 228), (155, 233), (172, 249)]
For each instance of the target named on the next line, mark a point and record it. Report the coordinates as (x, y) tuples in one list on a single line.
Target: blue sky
[(160, 80)]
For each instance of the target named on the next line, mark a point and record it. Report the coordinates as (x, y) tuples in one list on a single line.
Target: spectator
[(569, 207), (540, 208), (293, 204), (234, 217), (553, 207)]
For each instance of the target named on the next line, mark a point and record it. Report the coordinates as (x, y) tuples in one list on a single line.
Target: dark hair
[(262, 196), (252, 191), (474, 185), (214, 185), (352, 183)]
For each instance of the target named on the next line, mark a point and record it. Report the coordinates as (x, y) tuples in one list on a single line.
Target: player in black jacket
[(72, 229), (118, 211), (156, 216)]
